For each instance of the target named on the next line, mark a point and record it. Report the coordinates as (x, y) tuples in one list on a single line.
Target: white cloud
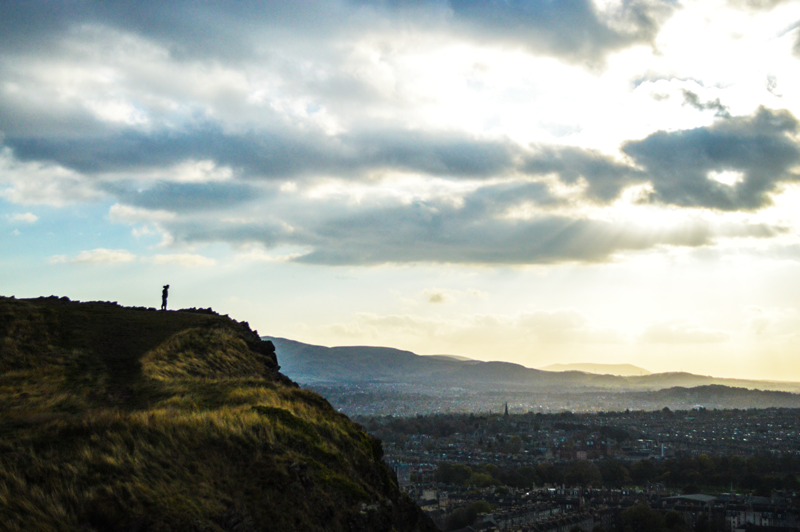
[(27, 217), (772, 322), (96, 256), (557, 326), (183, 259), (480, 294), (260, 255), (42, 183), (189, 171), (128, 214), (681, 331), (566, 325), (111, 256), (117, 111)]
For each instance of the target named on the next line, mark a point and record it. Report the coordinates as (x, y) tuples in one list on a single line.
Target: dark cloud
[(275, 154), (605, 177), (270, 233), (422, 234), (186, 197), (571, 29), (760, 146), (474, 230), (692, 99), (210, 30), (678, 164), (497, 199), (236, 31)]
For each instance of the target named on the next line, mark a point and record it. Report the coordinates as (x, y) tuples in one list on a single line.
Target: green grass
[(178, 421)]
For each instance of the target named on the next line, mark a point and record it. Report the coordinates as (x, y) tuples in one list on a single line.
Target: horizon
[(600, 365), (528, 182)]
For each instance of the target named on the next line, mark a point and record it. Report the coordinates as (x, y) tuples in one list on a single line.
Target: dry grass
[(192, 432)]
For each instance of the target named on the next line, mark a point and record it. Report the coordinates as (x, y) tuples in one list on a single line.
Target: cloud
[(762, 147), (797, 45), (113, 256), (424, 232), (543, 326), (186, 197), (437, 295), (566, 325), (275, 154), (367, 324), (574, 30), (605, 178), (756, 4), (681, 332), (260, 255), (446, 295), (219, 31), (692, 99), (775, 322), (27, 217), (183, 259), (193, 119), (35, 183), (97, 256), (500, 223), (128, 214)]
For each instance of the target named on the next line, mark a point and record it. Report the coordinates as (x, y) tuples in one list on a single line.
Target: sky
[(536, 182)]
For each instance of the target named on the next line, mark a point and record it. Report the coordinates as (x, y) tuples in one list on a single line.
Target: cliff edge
[(131, 419)]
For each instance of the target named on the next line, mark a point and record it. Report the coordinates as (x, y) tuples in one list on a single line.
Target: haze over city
[(534, 182)]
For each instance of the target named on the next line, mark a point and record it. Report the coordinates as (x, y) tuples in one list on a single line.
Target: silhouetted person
[(164, 294)]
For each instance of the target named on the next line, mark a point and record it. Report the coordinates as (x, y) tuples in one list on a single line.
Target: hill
[(130, 419), (318, 365), (622, 370)]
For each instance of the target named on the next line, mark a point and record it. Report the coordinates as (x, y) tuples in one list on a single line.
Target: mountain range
[(622, 370), (319, 365)]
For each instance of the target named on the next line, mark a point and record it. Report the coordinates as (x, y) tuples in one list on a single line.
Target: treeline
[(438, 426), (641, 518), (760, 473), (444, 425)]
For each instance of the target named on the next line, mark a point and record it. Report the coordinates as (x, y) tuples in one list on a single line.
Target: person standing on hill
[(164, 294)]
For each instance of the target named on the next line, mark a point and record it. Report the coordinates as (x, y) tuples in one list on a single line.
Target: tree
[(614, 473), (643, 471), (583, 473), (453, 473), (641, 518), (673, 520), (463, 517)]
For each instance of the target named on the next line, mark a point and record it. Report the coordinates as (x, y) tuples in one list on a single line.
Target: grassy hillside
[(131, 419)]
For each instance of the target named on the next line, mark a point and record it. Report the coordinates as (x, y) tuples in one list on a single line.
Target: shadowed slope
[(131, 419)]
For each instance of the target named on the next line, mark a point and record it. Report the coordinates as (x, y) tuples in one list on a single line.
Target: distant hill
[(318, 365), (451, 357), (130, 419), (714, 396), (623, 370)]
